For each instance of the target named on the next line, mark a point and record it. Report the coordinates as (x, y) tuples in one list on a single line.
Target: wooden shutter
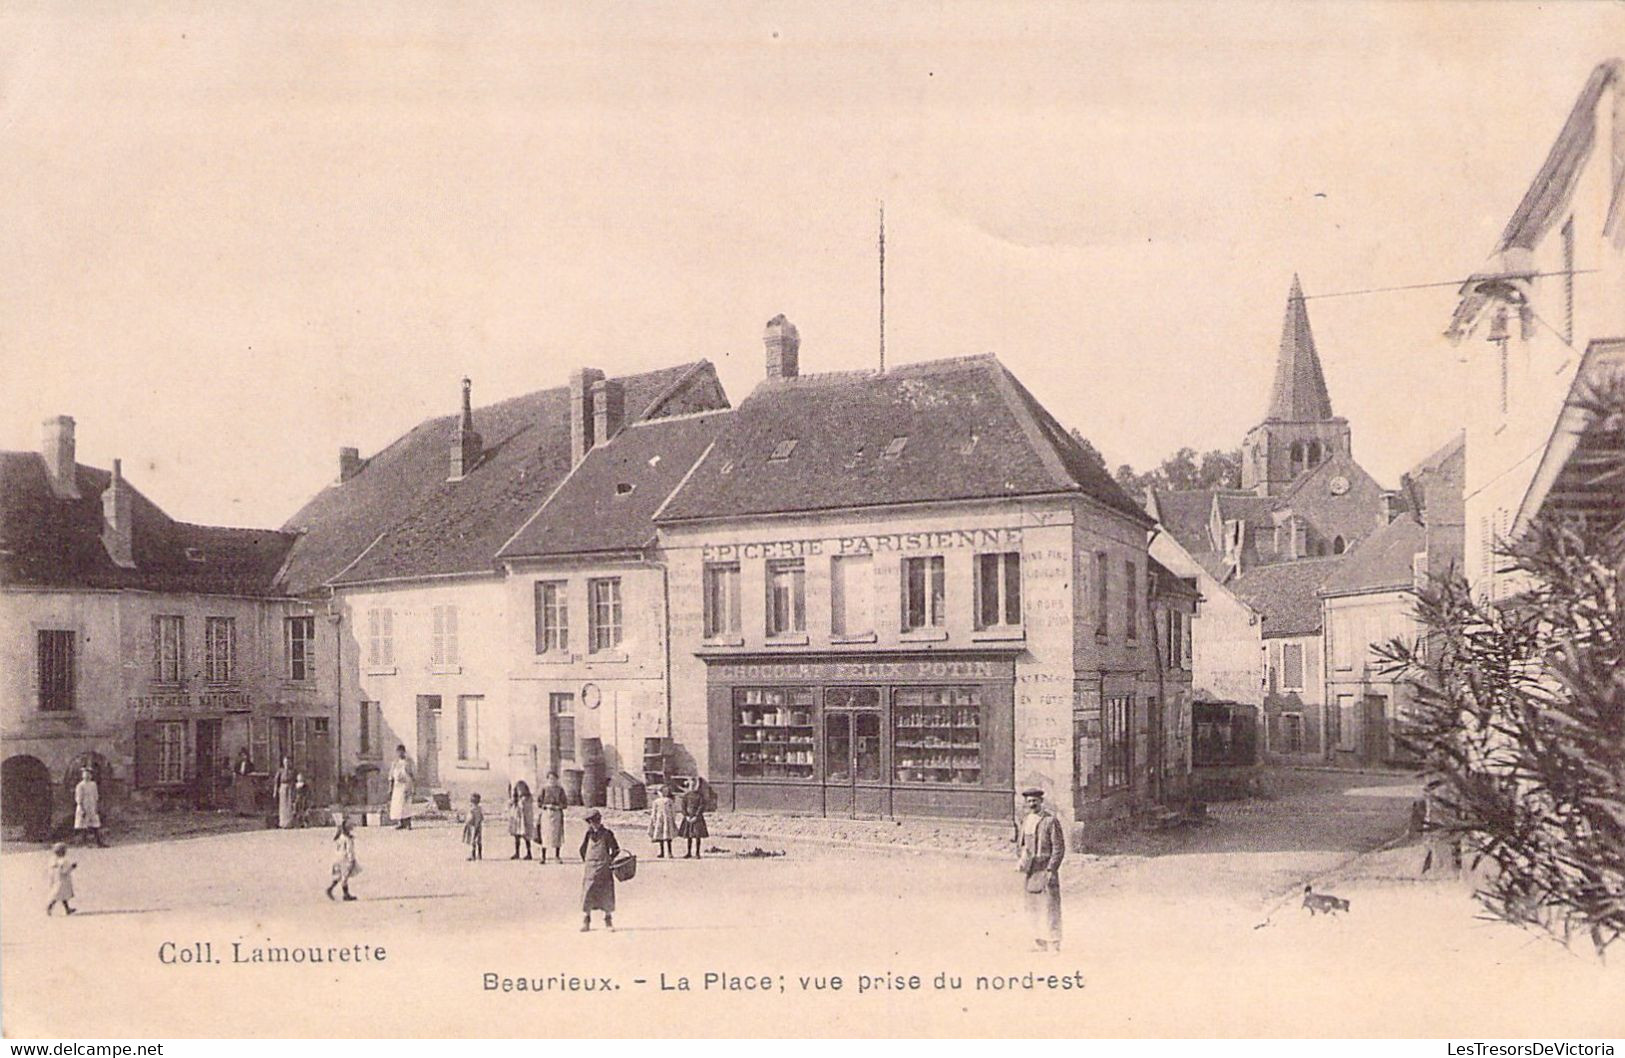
[(146, 754)]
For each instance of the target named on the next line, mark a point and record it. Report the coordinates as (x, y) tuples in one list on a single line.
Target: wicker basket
[(624, 867)]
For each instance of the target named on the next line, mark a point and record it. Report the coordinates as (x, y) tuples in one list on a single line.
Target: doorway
[(428, 771), (854, 771), (25, 797), (561, 731), (1376, 728), (206, 749)]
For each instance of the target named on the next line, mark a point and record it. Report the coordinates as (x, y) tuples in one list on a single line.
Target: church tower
[(1299, 431)]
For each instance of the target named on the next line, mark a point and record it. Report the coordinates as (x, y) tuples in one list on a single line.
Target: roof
[(1286, 594), (1256, 511), (1382, 560), (1168, 582), (957, 429), (608, 502), (48, 542), (1185, 516), (399, 517), (1299, 393)]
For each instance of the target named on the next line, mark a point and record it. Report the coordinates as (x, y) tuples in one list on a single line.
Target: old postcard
[(769, 520)]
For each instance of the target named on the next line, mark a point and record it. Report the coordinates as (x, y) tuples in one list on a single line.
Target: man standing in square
[(1043, 847)]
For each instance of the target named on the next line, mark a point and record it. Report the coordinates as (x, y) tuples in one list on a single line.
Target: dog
[(1315, 902)]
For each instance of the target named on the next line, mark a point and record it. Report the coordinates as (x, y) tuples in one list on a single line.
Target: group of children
[(523, 825), (87, 822)]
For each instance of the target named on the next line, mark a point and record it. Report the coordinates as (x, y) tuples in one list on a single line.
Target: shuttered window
[(220, 649), (443, 641), (54, 648), (168, 648)]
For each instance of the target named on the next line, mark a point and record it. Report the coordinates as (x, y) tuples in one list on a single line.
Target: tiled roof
[(49, 542), (1255, 510), (1382, 560), (1185, 516), (1299, 393), (1545, 200), (608, 502), (400, 518), (1170, 583), (942, 430), (1286, 594)]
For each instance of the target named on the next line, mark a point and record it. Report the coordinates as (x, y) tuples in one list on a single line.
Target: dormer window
[(894, 448), (623, 488), (782, 450), (194, 554)]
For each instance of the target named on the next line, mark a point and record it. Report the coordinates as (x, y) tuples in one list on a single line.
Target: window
[(552, 617), (782, 450), (774, 736), (1116, 752), (1102, 596), (786, 597), (1339, 545), (1292, 732), (380, 638), (894, 448), (299, 640), (1291, 666), (924, 592), (220, 649), (56, 672), (171, 752), (561, 709), (603, 614), (1131, 601), (168, 649), (721, 599), (364, 725), (468, 726), (937, 735), (852, 595), (1173, 647), (443, 640), (998, 590)]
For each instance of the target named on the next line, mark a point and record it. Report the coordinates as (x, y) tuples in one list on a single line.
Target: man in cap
[(598, 851), (1043, 847), (87, 808)]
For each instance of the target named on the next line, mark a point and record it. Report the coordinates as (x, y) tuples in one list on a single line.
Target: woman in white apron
[(400, 788)]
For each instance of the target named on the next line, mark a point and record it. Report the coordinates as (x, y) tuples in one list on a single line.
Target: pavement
[(1192, 932)]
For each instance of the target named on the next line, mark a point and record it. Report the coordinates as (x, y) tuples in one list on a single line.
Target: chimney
[(117, 537), (783, 348), (582, 380), (349, 463), (58, 449), (1389, 509), (608, 409), (465, 443)]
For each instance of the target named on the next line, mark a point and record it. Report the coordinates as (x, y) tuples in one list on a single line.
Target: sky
[(232, 241)]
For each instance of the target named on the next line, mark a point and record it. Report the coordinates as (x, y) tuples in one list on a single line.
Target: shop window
[(1292, 732), (299, 647), (380, 638), (852, 595), (561, 711), (924, 592), (1116, 736), (220, 649), (1131, 601), (937, 735), (552, 617), (54, 649), (774, 734), (998, 590), (786, 597), (603, 614), (469, 707), (364, 728), (168, 648), (443, 646), (721, 600), (1291, 666), (1102, 595)]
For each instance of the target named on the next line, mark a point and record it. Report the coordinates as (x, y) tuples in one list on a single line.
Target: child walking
[(663, 821), (59, 879), (474, 829), (345, 866)]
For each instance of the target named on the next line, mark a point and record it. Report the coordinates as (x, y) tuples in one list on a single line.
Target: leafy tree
[(1519, 716), (1185, 469)]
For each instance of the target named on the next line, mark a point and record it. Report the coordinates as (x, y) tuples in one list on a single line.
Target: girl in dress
[(521, 819), (59, 879), (662, 821), (345, 866), (284, 794), (693, 825), (301, 799), (551, 823)]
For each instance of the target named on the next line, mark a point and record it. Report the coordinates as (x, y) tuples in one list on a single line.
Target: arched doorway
[(25, 798)]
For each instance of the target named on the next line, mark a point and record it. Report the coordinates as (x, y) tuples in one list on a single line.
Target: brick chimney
[(117, 531), (783, 348), (58, 449), (349, 463), (465, 443), (608, 409), (582, 380)]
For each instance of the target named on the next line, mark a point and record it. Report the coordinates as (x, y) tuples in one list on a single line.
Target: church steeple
[(1299, 393), (1299, 431)]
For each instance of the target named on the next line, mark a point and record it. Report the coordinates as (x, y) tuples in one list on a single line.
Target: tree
[(1519, 716)]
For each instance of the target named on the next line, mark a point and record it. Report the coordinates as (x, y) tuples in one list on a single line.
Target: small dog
[(1315, 902)]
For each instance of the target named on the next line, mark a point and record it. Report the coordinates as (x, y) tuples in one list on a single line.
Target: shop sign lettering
[(863, 670), (933, 540), (148, 705)]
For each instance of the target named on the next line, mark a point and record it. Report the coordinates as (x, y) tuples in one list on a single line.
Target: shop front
[(871, 735)]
